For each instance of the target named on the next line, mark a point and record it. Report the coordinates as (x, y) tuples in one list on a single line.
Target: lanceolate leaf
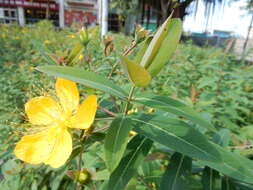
[(116, 141), (222, 137), (233, 165), (227, 184), (175, 134), (175, 107), (76, 51), (183, 138), (86, 78), (209, 178), (167, 48), (179, 165), (136, 151), (44, 53)]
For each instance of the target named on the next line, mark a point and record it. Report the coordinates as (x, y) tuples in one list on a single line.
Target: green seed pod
[(84, 36), (83, 176), (143, 47), (167, 47), (155, 44)]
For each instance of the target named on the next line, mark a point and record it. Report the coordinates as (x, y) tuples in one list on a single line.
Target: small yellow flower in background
[(151, 110), (132, 133), (134, 110), (53, 145), (80, 57), (71, 36), (47, 42), (31, 68)]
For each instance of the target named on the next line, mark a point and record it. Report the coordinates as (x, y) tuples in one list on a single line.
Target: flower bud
[(83, 176), (140, 34), (84, 36)]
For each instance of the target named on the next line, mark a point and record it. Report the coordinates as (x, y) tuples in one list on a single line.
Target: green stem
[(107, 111), (79, 166), (129, 99), (134, 44)]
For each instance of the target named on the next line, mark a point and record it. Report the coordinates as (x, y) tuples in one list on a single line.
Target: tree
[(249, 7), (179, 7), (129, 10)]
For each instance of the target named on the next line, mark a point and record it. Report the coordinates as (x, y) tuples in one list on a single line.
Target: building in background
[(84, 12), (81, 11)]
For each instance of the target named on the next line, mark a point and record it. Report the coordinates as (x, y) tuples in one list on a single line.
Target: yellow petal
[(85, 114), (52, 146), (43, 111), (35, 148), (68, 94), (61, 150)]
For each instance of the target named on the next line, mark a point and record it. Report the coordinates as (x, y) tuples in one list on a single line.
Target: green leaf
[(167, 48), (86, 78), (101, 175), (233, 165), (175, 107), (227, 184), (209, 178), (182, 138), (132, 184), (10, 168), (172, 179), (222, 138), (175, 134), (116, 141), (155, 44), (76, 51), (136, 150), (44, 53), (137, 74)]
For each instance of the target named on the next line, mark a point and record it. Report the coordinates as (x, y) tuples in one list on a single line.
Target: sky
[(233, 18)]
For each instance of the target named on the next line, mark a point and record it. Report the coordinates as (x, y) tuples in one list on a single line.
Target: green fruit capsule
[(167, 47), (155, 44)]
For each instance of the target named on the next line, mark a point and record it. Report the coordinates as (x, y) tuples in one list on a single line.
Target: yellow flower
[(134, 110), (71, 36), (47, 42), (80, 57), (53, 145)]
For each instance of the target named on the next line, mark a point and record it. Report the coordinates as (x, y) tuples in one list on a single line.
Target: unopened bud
[(140, 34), (83, 176), (84, 36)]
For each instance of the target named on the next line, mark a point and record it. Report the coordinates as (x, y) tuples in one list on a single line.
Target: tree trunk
[(247, 38), (165, 9), (143, 11), (180, 11), (48, 10)]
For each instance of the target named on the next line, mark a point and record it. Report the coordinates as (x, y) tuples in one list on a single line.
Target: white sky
[(233, 18)]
